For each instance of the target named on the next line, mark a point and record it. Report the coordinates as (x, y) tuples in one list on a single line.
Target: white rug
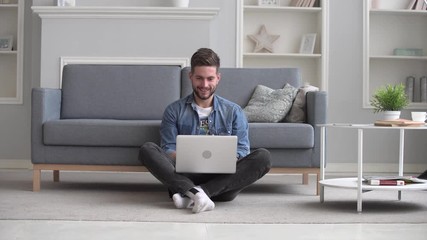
[(140, 197)]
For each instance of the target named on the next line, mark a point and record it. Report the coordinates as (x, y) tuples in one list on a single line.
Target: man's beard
[(211, 92)]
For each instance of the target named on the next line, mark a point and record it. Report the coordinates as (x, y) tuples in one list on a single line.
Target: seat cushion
[(281, 135), (101, 132)]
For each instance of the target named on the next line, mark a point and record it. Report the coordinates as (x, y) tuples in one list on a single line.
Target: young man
[(203, 112)]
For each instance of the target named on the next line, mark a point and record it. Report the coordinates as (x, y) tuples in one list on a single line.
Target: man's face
[(204, 80)]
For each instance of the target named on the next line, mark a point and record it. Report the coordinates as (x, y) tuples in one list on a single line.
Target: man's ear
[(219, 76)]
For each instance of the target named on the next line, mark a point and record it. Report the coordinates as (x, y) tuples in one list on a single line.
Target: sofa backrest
[(238, 84), (118, 91)]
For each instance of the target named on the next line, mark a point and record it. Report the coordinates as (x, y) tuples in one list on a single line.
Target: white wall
[(345, 89)]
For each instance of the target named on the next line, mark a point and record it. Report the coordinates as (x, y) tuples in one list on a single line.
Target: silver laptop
[(206, 154)]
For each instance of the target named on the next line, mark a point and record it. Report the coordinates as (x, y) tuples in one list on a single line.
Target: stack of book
[(416, 89), (392, 180), (302, 3), (398, 123)]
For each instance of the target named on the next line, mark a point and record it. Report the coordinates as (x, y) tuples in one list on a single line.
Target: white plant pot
[(391, 115)]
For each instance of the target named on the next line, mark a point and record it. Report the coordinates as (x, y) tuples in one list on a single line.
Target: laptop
[(206, 154)]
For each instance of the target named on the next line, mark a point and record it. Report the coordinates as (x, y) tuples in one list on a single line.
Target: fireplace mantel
[(125, 12)]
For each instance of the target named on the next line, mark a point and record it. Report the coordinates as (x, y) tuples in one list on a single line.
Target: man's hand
[(172, 155)]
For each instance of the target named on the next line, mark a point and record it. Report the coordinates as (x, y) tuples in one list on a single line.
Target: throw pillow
[(297, 113), (269, 105)]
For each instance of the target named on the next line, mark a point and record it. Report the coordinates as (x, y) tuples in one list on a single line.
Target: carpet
[(107, 196)]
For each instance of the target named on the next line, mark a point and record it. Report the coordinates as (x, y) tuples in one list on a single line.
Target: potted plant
[(390, 99)]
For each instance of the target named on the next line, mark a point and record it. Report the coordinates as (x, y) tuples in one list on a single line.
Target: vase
[(391, 115)]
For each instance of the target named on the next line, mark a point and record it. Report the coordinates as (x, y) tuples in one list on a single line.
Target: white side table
[(356, 183)]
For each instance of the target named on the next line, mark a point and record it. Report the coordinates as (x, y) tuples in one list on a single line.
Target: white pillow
[(297, 114), (270, 105)]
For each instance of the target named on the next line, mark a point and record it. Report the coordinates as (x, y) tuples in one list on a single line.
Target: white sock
[(182, 201), (201, 201)]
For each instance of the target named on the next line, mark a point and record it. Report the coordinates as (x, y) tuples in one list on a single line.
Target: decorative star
[(263, 40)]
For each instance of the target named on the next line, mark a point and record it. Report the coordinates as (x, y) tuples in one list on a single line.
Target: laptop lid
[(206, 154)]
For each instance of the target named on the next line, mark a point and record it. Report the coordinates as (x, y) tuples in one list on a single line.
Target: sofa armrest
[(45, 106), (317, 107)]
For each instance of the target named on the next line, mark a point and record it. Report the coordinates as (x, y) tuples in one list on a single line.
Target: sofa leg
[(36, 180), (305, 178), (56, 175), (318, 184)]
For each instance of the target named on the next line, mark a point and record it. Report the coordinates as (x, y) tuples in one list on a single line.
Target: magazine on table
[(392, 180)]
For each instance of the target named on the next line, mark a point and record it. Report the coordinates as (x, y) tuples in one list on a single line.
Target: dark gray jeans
[(219, 187)]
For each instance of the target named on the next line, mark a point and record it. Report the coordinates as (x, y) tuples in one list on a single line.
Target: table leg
[(401, 154), (322, 162), (359, 169)]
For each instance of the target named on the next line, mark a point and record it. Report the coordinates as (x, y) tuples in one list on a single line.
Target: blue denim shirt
[(226, 118)]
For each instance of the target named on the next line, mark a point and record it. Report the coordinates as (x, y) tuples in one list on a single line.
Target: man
[(203, 112)]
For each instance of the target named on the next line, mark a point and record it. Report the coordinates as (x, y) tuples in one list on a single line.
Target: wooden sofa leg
[(305, 178), (36, 180), (56, 175)]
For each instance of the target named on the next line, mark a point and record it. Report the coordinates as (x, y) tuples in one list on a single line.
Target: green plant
[(390, 98)]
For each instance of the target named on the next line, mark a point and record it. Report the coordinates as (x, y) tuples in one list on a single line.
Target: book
[(412, 4), (398, 123), (392, 180), (419, 5), (386, 182), (409, 88), (417, 90), (423, 89)]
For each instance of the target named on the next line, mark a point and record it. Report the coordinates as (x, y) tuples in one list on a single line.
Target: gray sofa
[(104, 113)]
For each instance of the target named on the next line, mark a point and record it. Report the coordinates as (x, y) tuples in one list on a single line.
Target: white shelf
[(385, 30), (11, 23), (351, 183), (294, 23)]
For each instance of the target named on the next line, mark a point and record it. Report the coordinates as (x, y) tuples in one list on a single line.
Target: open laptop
[(206, 154)]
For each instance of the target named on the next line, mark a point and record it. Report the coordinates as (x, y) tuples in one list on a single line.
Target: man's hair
[(205, 57)]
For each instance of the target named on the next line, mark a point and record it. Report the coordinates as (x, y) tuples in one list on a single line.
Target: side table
[(357, 183)]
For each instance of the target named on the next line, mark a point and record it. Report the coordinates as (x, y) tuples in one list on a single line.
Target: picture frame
[(307, 43), (271, 3), (6, 43)]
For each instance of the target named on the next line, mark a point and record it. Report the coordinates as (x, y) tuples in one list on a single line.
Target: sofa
[(103, 113)]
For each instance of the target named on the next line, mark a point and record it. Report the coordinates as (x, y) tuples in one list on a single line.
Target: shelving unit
[(11, 24), (387, 29), (294, 23)]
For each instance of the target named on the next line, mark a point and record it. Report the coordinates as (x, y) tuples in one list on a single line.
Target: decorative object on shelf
[(6, 43), (172, 3), (66, 3), (390, 100), (307, 43), (268, 2), (263, 40), (408, 52), (8, 1)]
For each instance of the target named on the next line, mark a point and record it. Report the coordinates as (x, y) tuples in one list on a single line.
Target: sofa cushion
[(101, 132), (270, 105), (118, 91), (281, 135), (298, 109)]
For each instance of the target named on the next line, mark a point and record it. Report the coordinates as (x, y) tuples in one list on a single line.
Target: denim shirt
[(226, 118)]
